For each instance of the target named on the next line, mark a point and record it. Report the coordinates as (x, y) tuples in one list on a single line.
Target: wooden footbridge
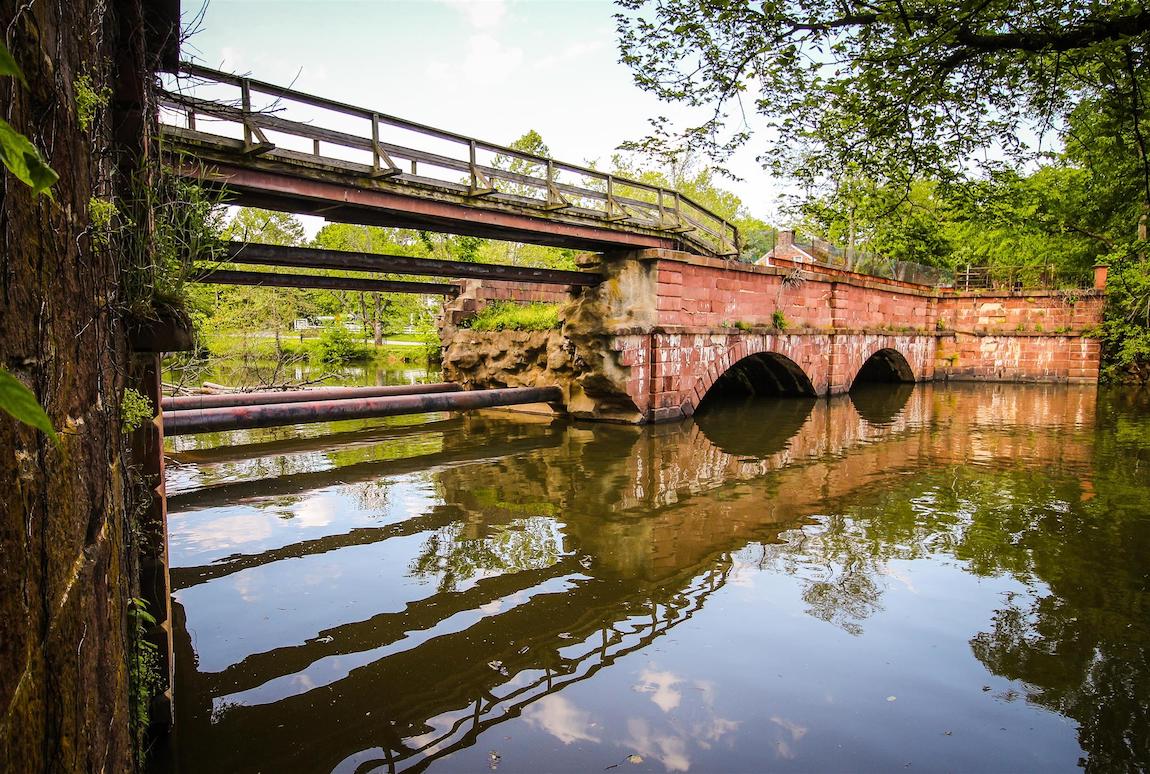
[(278, 148), (283, 149)]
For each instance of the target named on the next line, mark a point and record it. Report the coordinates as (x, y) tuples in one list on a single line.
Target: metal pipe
[(271, 415), (193, 402)]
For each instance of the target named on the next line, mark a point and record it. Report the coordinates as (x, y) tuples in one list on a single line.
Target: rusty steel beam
[(272, 415), (290, 191), (317, 258), (361, 284), (192, 402)]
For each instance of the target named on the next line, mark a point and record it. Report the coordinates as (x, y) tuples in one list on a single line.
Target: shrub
[(509, 316), (338, 347), (135, 410), (779, 320)]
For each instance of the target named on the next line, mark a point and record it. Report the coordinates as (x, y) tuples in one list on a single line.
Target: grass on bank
[(509, 316), (332, 346)]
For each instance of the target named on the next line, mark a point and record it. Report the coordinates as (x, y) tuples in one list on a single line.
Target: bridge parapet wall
[(695, 291)]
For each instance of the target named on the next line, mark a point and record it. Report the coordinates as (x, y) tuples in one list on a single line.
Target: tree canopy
[(907, 88)]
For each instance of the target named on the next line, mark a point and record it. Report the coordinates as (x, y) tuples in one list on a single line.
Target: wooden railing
[(423, 158)]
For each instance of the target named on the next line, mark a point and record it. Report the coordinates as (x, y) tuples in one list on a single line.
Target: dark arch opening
[(764, 374), (886, 365), (754, 427), (879, 404)]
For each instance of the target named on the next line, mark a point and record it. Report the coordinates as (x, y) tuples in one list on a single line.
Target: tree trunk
[(66, 568), (378, 320)]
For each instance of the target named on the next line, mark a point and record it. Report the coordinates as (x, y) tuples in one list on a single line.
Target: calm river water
[(933, 579)]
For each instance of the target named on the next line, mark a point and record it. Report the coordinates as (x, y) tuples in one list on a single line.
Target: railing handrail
[(678, 204)]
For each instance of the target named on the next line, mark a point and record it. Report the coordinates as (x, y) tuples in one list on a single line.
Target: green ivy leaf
[(8, 66), (21, 403), (24, 161)]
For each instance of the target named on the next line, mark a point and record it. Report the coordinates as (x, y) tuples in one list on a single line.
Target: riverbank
[(323, 346)]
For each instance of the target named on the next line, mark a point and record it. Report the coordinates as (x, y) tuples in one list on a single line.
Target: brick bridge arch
[(823, 364)]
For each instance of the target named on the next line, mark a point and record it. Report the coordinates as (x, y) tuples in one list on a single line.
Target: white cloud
[(486, 62), (481, 14), (669, 750), (573, 52), (661, 686), (560, 718)]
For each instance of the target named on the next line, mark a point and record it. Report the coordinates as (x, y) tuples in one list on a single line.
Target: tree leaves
[(16, 151), (9, 67), (21, 403), (920, 85), (24, 160)]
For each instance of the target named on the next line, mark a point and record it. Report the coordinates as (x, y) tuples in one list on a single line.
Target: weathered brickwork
[(691, 319)]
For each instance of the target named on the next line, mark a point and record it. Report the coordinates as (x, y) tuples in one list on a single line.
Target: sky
[(491, 69)]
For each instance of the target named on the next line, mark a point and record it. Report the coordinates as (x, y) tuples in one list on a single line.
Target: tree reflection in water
[(540, 557)]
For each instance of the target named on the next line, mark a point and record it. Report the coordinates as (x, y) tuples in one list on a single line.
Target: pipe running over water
[(270, 415), (192, 402)]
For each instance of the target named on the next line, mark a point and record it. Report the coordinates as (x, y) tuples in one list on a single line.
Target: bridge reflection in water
[(396, 596)]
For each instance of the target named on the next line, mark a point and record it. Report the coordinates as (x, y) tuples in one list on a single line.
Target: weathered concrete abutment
[(667, 328)]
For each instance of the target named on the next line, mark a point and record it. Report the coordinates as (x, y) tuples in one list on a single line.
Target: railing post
[(375, 143), (555, 200), (246, 107)]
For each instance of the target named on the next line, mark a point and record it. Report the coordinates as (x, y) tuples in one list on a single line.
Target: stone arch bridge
[(666, 330)]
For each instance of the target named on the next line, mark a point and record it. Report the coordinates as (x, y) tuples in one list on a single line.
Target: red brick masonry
[(708, 314)]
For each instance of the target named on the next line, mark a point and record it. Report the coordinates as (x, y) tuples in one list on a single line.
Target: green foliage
[(186, 224), (102, 215), (779, 320), (509, 316), (337, 347), (89, 100), (267, 227), (529, 143), (8, 66), (1126, 328), (20, 402), (890, 86), (467, 248), (24, 161), (17, 153), (432, 346), (143, 667), (681, 172), (136, 410)]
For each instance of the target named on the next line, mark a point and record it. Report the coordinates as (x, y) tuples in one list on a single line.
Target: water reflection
[(859, 583)]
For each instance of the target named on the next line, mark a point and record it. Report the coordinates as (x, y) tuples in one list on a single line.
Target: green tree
[(680, 172), (252, 309), (895, 88), (386, 312)]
